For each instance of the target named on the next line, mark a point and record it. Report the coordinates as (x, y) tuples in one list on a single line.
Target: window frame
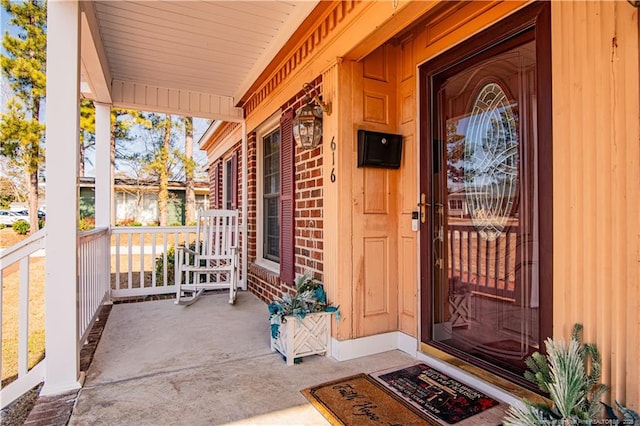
[(269, 126), (227, 182)]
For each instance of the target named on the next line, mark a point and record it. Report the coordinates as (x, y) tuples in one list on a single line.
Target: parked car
[(25, 213), (8, 217)]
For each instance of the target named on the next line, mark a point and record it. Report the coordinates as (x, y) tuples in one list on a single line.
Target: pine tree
[(162, 161), (189, 171), (87, 130), (21, 132)]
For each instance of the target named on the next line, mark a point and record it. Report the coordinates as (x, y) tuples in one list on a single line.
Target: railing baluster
[(461, 251), (23, 317), (478, 260), (452, 255), (507, 262), (141, 245), (117, 272), (496, 274), (469, 261), (130, 261), (153, 259)]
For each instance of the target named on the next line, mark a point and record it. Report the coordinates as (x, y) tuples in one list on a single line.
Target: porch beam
[(145, 97), (95, 69), (104, 177), (62, 141)]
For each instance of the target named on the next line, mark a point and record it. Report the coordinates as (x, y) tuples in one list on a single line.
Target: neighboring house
[(137, 201), (538, 102)]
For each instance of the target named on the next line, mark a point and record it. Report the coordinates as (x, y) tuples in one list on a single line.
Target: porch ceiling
[(195, 57)]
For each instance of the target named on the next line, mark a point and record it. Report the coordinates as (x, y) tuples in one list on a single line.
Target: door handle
[(423, 207)]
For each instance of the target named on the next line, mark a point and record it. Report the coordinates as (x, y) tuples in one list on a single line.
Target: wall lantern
[(307, 124)]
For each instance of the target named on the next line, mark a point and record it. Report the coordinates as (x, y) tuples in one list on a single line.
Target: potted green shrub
[(301, 322), (569, 374)]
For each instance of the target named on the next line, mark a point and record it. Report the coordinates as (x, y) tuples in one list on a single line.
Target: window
[(271, 196), (228, 180), (275, 245)]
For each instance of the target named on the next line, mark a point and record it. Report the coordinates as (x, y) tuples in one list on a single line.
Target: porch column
[(337, 208), (104, 177), (62, 150), (245, 204)]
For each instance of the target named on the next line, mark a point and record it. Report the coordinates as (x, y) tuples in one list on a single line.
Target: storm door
[(482, 206)]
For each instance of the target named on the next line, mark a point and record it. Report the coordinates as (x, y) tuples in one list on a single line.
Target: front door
[(482, 198)]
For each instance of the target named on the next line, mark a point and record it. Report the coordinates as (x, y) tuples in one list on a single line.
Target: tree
[(21, 133), (189, 171), (161, 162), (162, 167), (87, 130)]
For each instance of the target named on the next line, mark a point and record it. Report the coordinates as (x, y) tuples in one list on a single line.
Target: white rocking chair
[(213, 263)]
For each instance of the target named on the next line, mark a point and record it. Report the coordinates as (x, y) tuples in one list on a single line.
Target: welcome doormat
[(436, 393), (360, 401)]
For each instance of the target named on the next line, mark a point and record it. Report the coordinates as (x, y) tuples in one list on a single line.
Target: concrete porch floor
[(209, 363)]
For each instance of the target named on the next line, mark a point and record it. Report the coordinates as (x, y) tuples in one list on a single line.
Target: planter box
[(301, 337)]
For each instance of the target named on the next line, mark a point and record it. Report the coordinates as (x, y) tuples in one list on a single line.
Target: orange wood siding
[(408, 181), (375, 195), (596, 163), (596, 175)]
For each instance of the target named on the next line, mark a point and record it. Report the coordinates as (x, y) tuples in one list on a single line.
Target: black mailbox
[(379, 149)]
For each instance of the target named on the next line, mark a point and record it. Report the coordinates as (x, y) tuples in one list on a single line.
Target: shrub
[(175, 224), (171, 264), (128, 222), (86, 223), (2, 226), (21, 227), (41, 223)]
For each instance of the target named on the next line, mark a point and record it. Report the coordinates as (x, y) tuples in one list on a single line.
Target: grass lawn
[(10, 307)]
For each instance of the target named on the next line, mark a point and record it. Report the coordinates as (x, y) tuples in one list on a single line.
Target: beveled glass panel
[(485, 287)]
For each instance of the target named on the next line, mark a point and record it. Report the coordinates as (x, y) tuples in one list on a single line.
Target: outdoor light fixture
[(307, 124)]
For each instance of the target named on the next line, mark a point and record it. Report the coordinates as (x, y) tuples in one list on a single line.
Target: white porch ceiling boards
[(177, 55)]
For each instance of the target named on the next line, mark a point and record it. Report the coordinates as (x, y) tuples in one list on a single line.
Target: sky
[(4, 25), (200, 126)]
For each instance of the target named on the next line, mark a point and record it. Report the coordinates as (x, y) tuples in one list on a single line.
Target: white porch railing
[(121, 261), (93, 282), (142, 258), (26, 378)]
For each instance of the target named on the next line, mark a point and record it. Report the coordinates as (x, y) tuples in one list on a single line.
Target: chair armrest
[(187, 249)]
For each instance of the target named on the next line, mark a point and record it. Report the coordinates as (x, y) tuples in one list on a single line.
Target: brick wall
[(308, 214), (252, 206), (216, 198)]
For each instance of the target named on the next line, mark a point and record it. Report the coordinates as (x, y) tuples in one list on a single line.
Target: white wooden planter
[(301, 337)]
